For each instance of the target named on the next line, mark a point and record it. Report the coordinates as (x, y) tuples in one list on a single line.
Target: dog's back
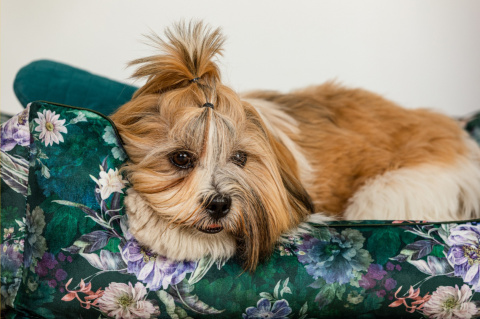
[(372, 159)]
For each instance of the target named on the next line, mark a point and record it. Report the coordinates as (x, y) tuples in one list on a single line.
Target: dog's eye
[(239, 158), (182, 159)]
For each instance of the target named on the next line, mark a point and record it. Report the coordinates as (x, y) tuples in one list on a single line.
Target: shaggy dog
[(215, 173)]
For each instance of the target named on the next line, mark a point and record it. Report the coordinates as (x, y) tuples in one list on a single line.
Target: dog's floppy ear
[(187, 56), (277, 215), (277, 200)]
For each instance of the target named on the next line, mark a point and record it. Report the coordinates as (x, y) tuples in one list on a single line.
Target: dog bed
[(67, 252)]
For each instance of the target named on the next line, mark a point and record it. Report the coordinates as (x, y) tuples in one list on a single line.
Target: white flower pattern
[(109, 182), (122, 301), (450, 303), (50, 127)]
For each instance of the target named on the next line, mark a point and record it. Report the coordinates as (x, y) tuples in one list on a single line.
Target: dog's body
[(360, 156), (215, 173)]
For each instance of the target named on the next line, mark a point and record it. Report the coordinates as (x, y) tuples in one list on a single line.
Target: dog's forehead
[(203, 128), (227, 125)]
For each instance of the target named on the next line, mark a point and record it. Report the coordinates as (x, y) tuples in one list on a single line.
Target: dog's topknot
[(187, 54)]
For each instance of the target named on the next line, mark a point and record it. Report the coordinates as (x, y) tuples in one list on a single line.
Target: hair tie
[(195, 80), (208, 104)]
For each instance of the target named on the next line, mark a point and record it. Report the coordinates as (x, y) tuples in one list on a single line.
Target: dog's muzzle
[(217, 207)]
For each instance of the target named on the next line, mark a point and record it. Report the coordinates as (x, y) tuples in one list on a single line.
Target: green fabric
[(67, 252), (472, 126), (60, 83)]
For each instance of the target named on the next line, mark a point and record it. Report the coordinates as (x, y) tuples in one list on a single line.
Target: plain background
[(417, 53)]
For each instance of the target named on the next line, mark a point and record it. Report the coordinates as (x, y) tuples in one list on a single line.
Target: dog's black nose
[(218, 206)]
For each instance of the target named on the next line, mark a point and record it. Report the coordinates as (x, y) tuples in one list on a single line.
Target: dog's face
[(202, 160)]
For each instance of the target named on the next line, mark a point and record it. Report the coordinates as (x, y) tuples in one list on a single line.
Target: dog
[(215, 173)]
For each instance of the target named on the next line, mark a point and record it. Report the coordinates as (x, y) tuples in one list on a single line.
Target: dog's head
[(200, 157)]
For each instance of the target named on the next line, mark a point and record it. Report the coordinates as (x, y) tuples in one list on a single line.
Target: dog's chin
[(211, 229), (176, 243)]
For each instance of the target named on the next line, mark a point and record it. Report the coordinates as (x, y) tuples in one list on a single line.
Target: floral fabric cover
[(67, 252)]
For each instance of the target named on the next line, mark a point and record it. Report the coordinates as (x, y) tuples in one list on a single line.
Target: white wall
[(418, 53)]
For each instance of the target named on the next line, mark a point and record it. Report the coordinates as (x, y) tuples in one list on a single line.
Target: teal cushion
[(60, 83)]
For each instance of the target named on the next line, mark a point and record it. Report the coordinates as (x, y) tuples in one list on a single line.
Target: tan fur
[(327, 139), (351, 135)]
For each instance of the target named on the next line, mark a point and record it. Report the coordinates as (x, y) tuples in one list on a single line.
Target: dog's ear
[(187, 55), (267, 229), (277, 201)]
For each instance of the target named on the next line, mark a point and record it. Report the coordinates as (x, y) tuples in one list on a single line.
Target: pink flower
[(50, 127), (123, 301), (91, 298), (451, 303), (417, 302)]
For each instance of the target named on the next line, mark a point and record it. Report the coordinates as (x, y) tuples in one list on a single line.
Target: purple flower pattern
[(279, 310), (15, 132), (154, 270), (50, 269), (11, 255), (379, 280), (464, 253)]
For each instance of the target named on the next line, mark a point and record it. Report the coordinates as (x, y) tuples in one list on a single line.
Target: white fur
[(178, 243), (428, 192)]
